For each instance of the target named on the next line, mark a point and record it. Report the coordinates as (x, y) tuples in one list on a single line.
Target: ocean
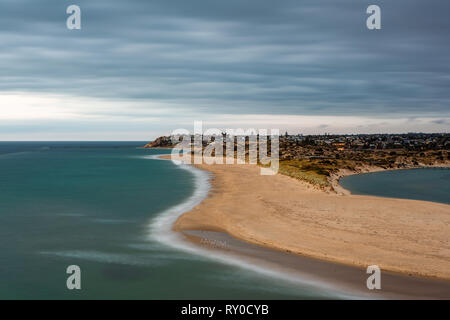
[(429, 184), (107, 207)]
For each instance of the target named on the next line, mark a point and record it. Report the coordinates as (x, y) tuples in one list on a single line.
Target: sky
[(140, 69)]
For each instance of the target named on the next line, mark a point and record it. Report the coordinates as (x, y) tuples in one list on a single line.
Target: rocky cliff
[(161, 142)]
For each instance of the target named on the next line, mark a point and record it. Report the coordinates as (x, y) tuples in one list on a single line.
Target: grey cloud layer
[(259, 56)]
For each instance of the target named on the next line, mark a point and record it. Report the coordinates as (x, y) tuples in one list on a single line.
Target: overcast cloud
[(140, 68)]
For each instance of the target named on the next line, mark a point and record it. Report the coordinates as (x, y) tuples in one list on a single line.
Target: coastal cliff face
[(161, 142)]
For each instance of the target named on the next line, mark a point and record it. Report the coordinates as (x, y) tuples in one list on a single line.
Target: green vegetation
[(313, 171), (315, 158)]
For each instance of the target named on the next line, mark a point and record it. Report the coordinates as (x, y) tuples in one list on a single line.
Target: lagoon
[(428, 184)]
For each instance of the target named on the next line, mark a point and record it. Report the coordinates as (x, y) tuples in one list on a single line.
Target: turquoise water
[(91, 204), (427, 184)]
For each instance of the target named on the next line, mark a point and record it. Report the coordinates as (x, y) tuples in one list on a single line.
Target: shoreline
[(189, 221), (337, 280), (161, 230)]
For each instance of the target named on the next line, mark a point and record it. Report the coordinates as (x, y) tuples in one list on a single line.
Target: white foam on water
[(160, 230), (112, 221), (103, 257), (13, 154)]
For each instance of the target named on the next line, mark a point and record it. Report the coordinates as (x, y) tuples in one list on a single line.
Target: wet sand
[(341, 280)]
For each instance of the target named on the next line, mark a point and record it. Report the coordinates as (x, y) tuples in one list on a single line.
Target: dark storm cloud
[(260, 56)]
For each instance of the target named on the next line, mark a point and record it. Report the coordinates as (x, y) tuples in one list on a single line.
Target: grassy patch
[(314, 171), (305, 170)]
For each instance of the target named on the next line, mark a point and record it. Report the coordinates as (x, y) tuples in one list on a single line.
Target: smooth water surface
[(91, 204)]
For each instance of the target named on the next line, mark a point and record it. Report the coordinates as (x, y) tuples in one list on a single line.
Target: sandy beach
[(408, 237)]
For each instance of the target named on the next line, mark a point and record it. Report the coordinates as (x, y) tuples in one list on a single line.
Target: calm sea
[(428, 184), (105, 207)]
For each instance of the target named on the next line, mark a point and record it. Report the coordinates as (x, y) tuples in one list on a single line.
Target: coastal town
[(323, 159), (407, 141), (410, 141), (318, 159), (376, 149)]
